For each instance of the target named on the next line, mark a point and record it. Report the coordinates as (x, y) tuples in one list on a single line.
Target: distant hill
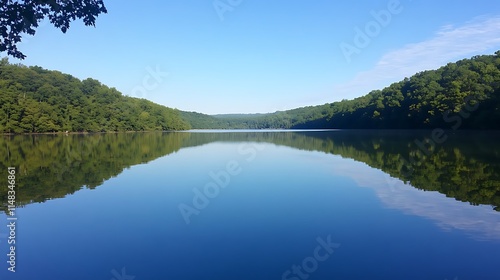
[(35, 100), (221, 121), (236, 116), (461, 95)]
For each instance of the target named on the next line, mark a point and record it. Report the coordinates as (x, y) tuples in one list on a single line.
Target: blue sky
[(256, 56)]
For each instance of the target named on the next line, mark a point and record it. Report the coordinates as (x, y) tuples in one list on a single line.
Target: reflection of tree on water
[(466, 167), (53, 166)]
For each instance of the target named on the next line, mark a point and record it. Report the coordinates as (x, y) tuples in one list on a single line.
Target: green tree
[(18, 17)]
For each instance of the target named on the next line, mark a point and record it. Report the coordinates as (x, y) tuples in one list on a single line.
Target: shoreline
[(82, 132), (252, 130)]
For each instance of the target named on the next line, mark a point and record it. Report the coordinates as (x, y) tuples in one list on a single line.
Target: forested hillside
[(461, 95), (35, 100)]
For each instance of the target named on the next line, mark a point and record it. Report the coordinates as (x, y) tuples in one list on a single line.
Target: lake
[(294, 205)]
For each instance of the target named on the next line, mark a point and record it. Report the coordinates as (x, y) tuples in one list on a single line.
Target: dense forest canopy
[(35, 100)]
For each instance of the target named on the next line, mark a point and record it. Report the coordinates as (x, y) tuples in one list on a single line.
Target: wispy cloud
[(449, 43)]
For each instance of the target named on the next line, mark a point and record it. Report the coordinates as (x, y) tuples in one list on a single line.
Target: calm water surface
[(254, 205)]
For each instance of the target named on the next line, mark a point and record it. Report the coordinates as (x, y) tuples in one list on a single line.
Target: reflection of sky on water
[(480, 222)]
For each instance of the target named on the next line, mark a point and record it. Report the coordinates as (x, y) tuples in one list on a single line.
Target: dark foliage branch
[(18, 17)]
